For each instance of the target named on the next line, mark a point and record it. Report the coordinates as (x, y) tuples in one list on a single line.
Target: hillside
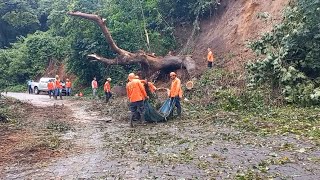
[(234, 24)]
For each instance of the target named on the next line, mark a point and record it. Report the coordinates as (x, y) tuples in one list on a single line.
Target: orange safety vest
[(107, 87), (135, 91), (68, 84), (176, 88), (210, 56), (94, 84), (152, 87), (50, 86), (58, 84)]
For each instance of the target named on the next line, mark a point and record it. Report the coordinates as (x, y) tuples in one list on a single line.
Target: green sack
[(152, 115)]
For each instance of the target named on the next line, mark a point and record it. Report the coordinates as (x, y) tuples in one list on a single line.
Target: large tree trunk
[(150, 64)]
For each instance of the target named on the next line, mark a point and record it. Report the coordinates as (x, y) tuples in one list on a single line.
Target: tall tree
[(150, 64)]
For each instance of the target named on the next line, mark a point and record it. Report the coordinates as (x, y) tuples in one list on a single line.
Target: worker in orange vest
[(149, 87), (175, 91), (136, 95), (94, 85), (50, 88), (107, 89), (68, 87), (57, 88), (210, 58)]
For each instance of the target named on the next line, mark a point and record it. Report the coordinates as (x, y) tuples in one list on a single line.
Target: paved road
[(176, 150), (87, 138), (36, 99)]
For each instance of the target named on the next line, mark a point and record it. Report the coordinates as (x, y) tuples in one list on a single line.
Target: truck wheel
[(36, 90)]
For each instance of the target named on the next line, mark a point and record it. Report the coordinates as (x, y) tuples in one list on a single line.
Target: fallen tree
[(150, 64)]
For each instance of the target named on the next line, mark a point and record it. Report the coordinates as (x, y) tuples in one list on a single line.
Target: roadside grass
[(17, 88)]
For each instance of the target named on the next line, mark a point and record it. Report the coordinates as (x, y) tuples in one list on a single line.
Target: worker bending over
[(149, 86)]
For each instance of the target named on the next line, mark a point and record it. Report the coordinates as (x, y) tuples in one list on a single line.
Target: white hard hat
[(108, 79)]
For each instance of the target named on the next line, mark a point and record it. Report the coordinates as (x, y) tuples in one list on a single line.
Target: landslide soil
[(230, 28)]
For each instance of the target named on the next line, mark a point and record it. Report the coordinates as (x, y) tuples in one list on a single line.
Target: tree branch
[(120, 60), (101, 23)]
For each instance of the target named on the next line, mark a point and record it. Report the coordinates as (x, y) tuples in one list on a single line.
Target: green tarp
[(152, 115)]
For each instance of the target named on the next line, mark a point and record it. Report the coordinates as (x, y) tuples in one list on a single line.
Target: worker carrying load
[(175, 91), (166, 110), (149, 86), (136, 94)]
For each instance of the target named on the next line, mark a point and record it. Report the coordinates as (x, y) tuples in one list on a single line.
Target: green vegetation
[(68, 40), (217, 98), (290, 53)]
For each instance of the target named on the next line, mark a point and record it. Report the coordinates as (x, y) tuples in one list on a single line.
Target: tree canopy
[(53, 36), (291, 55)]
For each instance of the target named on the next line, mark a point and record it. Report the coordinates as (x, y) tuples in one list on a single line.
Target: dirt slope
[(229, 30)]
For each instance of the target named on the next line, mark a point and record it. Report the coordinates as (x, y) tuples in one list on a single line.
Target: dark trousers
[(68, 91), (210, 64), (108, 96), (177, 104), (58, 92), (30, 89), (137, 110), (51, 93)]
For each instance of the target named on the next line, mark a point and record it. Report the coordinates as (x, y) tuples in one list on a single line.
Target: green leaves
[(291, 55), (20, 19)]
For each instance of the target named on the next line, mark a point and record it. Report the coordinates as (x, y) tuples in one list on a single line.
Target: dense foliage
[(68, 39), (18, 18), (291, 53)]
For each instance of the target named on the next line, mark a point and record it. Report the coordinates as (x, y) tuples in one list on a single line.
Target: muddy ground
[(93, 147)]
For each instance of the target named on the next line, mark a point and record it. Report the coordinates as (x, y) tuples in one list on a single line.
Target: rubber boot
[(179, 112)]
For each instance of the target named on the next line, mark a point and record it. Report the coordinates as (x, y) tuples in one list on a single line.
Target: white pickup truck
[(42, 85)]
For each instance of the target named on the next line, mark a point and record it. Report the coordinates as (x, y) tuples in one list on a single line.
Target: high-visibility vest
[(57, 84), (107, 87), (135, 91), (210, 56), (175, 89), (50, 86), (68, 84)]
